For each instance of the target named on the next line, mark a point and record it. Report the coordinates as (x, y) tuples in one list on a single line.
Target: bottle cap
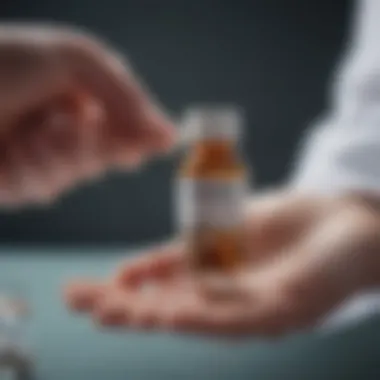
[(212, 121)]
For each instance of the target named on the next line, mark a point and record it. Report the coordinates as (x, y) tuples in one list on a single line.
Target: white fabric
[(343, 152)]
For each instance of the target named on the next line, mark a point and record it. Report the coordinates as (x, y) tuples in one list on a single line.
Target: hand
[(70, 109), (307, 255)]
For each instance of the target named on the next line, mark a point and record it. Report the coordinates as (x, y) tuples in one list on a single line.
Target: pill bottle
[(211, 189)]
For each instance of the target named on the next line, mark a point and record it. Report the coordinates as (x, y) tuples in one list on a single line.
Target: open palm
[(307, 254)]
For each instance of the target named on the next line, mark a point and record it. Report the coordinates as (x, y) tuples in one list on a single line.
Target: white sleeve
[(343, 152)]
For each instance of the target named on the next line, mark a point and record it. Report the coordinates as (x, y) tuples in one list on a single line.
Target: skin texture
[(307, 255), (70, 109)]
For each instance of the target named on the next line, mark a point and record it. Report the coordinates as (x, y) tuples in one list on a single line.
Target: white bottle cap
[(216, 122)]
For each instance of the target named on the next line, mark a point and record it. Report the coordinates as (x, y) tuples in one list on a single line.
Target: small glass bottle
[(211, 190)]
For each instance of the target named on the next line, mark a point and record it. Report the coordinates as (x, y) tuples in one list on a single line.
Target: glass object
[(15, 358), (211, 189)]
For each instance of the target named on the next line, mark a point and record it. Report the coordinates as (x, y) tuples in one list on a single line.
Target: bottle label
[(210, 202)]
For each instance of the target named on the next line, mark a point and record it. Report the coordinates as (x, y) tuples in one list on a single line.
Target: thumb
[(294, 291), (331, 263), (278, 219)]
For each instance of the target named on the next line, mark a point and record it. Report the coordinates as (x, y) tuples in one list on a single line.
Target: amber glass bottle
[(211, 190)]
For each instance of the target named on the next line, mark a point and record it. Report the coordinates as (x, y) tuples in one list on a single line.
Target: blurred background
[(273, 57)]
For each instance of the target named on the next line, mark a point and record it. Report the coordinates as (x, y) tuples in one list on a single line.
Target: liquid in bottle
[(211, 191)]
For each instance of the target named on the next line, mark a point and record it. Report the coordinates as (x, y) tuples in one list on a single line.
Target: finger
[(111, 149), (90, 127), (124, 308), (48, 171), (158, 135), (158, 302), (140, 309), (29, 159), (83, 295), (38, 171), (31, 73), (156, 138), (72, 135), (22, 180), (38, 164), (112, 310), (176, 307), (158, 263), (280, 219), (63, 147), (185, 310), (116, 153), (128, 106)]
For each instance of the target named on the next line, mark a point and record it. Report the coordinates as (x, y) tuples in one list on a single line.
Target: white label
[(209, 202)]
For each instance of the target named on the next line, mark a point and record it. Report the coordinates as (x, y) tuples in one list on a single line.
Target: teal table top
[(69, 347)]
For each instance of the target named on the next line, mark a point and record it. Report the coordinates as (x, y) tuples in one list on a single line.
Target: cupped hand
[(70, 108), (307, 254)]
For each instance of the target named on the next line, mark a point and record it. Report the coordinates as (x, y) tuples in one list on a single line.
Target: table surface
[(70, 347)]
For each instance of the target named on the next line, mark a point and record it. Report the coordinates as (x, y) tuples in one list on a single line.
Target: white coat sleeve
[(343, 152)]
